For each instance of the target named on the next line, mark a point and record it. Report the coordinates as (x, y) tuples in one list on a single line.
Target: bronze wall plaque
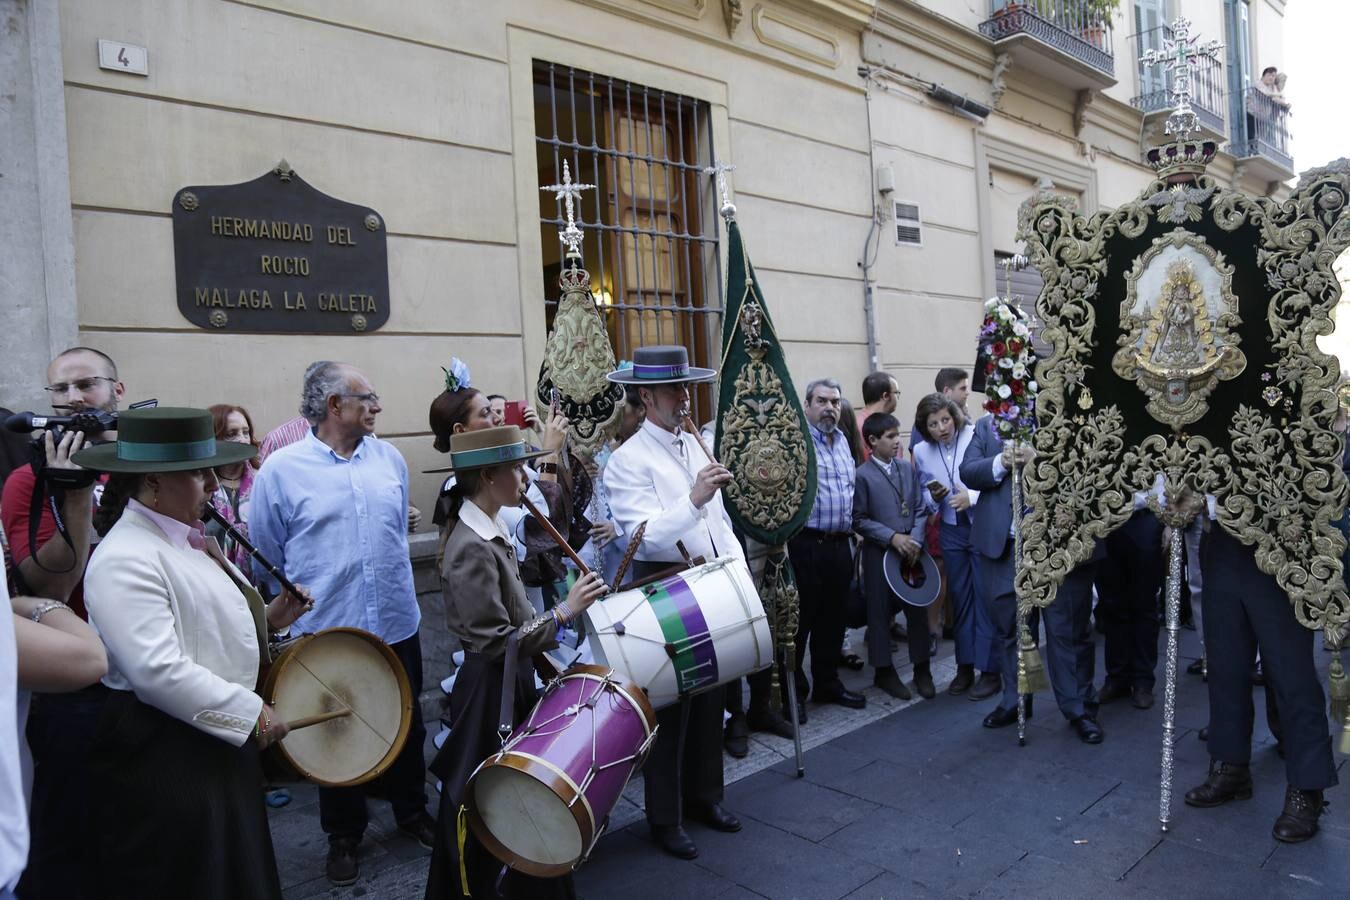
[(277, 255)]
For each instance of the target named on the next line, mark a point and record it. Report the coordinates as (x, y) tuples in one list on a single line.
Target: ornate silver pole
[(1170, 684), (1022, 638)]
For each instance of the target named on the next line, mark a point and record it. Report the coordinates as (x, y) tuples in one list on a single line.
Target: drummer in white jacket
[(661, 477)]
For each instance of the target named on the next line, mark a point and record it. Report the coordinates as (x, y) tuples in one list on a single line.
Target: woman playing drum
[(485, 606), (177, 809)]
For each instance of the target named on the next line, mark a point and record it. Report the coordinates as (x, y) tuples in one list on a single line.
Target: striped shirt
[(286, 433), (835, 474)]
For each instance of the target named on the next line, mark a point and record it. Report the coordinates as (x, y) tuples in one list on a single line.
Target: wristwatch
[(46, 607)]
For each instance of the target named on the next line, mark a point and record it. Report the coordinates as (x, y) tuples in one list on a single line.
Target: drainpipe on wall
[(869, 302)]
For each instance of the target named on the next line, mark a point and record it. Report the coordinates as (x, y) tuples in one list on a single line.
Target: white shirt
[(178, 630), (649, 478), (13, 803)]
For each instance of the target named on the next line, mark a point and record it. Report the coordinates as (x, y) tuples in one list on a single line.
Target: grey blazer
[(884, 507)]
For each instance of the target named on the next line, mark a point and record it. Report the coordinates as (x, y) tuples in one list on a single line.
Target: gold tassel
[(1031, 677), (1338, 688), (1343, 741), (461, 835)]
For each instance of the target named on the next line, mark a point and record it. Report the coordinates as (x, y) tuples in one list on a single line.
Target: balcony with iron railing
[(1066, 40), (1259, 134), (1156, 84)]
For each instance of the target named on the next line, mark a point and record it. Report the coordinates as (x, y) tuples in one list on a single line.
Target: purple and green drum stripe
[(686, 632)]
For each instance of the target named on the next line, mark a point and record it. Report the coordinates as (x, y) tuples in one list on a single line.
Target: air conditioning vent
[(908, 228)]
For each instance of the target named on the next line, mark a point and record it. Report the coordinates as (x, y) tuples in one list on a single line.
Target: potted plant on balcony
[(1097, 16)]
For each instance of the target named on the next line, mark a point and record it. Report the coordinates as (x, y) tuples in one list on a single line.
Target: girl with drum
[(487, 610), (177, 809)]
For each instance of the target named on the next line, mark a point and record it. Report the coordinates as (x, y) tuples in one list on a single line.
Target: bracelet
[(46, 607), (563, 613), (264, 724)]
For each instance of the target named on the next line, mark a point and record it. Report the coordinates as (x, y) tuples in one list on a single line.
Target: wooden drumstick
[(306, 721), (553, 533), (698, 436)]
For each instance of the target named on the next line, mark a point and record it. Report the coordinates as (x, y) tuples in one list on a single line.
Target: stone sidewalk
[(918, 800)]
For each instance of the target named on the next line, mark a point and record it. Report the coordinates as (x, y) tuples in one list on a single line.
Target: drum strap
[(507, 717)]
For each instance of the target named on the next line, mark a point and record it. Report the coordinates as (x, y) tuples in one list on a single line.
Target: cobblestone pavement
[(917, 800)]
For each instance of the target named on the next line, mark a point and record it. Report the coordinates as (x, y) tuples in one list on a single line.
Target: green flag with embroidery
[(762, 434)]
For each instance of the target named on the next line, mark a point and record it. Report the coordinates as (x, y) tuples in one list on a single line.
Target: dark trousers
[(1245, 609), (1127, 592), (996, 576), (972, 631), (1071, 656), (60, 732), (761, 693), (342, 811), (880, 613), (685, 764), (823, 566)]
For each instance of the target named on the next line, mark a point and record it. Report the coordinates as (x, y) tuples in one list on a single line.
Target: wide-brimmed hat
[(163, 439), (486, 447), (661, 365), (918, 583)]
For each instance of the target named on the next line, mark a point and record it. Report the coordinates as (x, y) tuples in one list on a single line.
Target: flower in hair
[(457, 376)]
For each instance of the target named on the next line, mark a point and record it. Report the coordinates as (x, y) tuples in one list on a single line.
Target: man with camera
[(47, 510)]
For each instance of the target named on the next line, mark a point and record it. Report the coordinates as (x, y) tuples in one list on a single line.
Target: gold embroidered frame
[(1273, 466)]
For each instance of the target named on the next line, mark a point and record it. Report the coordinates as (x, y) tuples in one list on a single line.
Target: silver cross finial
[(569, 192), (719, 170), (1181, 55)]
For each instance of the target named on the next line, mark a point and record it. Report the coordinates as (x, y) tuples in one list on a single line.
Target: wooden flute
[(210, 514)]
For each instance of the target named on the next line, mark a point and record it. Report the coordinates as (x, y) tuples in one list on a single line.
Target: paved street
[(918, 800)]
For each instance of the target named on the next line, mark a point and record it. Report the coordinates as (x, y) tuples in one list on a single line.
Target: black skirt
[(475, 705), (176, 812)]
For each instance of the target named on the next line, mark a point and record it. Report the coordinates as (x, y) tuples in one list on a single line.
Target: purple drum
[(541, 802)]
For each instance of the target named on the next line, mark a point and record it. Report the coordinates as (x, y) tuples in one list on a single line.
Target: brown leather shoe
[(1298, 822), (965, 677), (1226, 781), (923, 683), (986, 686), (887, 679)]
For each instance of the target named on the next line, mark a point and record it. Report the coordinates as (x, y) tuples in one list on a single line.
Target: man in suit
[(890, 507), (660, 476), (1068, 621), (1128, 581)]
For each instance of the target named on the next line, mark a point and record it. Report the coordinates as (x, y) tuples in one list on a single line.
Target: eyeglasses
[(372, 398), (84, 385)]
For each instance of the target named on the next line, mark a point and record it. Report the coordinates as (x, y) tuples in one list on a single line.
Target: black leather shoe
[(1111, 692), (1298, 822), (965, 677), (923, 683), (341, 868), (715, 817), (674, 840), (890, 682), (421, 829), (769, 720), (1089, 732), (986, 686), (736, 736), (1141, 698), (840, 695), (1003, 716), (1226, 781)]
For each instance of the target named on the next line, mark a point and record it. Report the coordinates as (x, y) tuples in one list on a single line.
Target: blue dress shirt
[(835, 473), (339, 527)]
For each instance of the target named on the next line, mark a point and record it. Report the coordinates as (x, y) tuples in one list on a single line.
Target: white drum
[(684, 634)]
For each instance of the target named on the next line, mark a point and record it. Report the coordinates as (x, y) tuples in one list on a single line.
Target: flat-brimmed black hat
[(163, 439), (486, 447), (918, 583), (661, 365)]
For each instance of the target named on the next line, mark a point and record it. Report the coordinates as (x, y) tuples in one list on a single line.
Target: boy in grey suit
[(889, 510)]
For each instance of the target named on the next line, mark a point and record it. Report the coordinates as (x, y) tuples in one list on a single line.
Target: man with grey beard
[(822, 554)]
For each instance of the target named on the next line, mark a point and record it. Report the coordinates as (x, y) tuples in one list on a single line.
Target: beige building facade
[(882, 151)]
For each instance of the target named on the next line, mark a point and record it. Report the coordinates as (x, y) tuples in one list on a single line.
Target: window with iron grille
[(651, 228)]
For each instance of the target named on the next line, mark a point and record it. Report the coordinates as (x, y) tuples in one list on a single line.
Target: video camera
[(87, 422)]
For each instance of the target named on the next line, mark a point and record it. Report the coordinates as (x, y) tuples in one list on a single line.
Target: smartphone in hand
[(514, 414)]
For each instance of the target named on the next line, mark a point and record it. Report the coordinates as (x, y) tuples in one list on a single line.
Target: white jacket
[(179, 632), (648, 482)]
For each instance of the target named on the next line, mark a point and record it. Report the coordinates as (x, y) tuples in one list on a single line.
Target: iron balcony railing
[(1073, 27), (1260, 127), (1156, 82)]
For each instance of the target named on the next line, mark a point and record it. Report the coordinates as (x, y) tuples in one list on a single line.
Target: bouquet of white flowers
[(1009, 387)]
